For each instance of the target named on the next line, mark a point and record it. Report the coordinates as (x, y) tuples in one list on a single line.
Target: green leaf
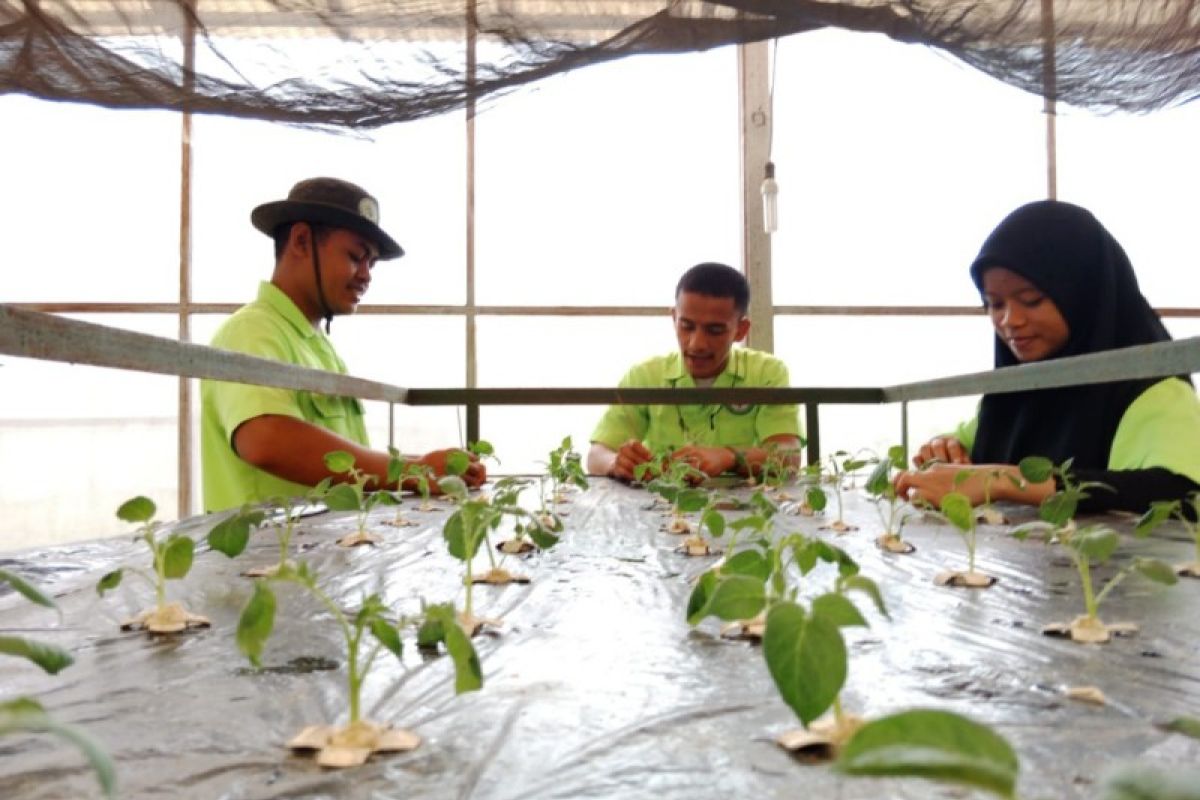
[(457, 462), (736, 597), (1157, 514), (1036, 469), (453, 486), (24, 714), (1156, 570), (484, 447), (468, 674), (698, 600), (256, 623), (1188, 726), (748, 562), (387, 635), (542, 538), (715, 522), (177, 556), (339, 461), (50, 658), (897, 456), (343, 497), (1058, 508), (957, 508), (937, 745), (1143, 782), (806, 552), (837, 610), (430, 633), (690, 500), (1096, 544), (806, 658), (110, 580), (463, 530), (28, 590), (231, 535), (878, 482), (816, 499), (864, 584), (138, 509)]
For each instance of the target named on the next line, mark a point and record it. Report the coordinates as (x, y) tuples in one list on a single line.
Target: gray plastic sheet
[(595, 686)]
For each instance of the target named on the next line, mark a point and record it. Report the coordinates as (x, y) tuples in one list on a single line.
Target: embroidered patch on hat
[(367, 207)]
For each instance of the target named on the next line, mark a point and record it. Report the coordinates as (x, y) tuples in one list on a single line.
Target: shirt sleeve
[(776, 420), (1161, 428), (236, 403), (621, 423)]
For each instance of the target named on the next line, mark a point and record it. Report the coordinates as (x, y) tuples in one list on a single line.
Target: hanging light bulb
[(770, 196)]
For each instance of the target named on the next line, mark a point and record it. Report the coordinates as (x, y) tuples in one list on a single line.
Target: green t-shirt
[(1161, 428), (723, 425), (270, 327)]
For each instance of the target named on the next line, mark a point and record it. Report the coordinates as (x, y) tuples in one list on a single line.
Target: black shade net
[(361, 64)]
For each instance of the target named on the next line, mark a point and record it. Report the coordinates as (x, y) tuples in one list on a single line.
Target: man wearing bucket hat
[(259, 442)]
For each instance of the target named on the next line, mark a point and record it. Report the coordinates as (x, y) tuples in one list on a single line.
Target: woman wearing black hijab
[(1057, 284)]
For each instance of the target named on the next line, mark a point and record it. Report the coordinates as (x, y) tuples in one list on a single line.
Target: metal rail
[(45, 336)]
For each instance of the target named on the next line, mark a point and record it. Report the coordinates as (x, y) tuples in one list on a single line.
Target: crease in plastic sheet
[(595, 686)]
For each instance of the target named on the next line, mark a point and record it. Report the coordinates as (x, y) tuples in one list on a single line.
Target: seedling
[(469, 527), (778, 469), (1161, 511), (804, 649), (711, 520), (353, 496), (172, 561), (1087, 547), (893, 512), (564, 469), (815, 500), (675, 487), (528, 534), (956, 509), (352, 744), (841, 466)]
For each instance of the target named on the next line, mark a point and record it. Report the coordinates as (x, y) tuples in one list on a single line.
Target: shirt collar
[(735, 368), (273, 296)]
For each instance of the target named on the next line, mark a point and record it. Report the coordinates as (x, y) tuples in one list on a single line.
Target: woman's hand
[(945, 449), (980, 483)]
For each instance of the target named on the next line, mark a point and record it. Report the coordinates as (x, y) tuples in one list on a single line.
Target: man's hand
[(629, 456), (476, 472), (945, 449), (712, 461)]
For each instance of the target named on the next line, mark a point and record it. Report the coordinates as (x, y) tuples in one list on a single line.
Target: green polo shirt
[(270, 327), (1161, 428), (722, 425)]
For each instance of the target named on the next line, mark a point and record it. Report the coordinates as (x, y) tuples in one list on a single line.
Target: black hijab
[(1068, 255)]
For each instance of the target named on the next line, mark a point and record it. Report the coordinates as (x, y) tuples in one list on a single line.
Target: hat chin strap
[(325, 310)]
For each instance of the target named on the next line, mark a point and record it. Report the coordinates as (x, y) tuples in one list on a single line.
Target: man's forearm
[(295, 450)]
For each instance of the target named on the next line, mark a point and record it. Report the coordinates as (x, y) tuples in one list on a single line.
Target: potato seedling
[(172, 561), (841, 466), (353, 496), (469, 528), (1163, 510), (777, 470), (803, 647), (674, 485), (564, 469), (352, 744), (231, 535), (1087, 547), (893, 513), (956, 509)]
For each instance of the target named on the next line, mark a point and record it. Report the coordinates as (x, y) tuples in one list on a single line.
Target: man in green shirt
[(259, 442), (711, 301)]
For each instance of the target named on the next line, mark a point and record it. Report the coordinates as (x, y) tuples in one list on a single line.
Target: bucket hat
[(332, 202)]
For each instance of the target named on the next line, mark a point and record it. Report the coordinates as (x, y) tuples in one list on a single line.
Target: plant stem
[(971, 549), (1112, 584), (839, 716), (351, 643), (160, 578), (1085, 579)]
